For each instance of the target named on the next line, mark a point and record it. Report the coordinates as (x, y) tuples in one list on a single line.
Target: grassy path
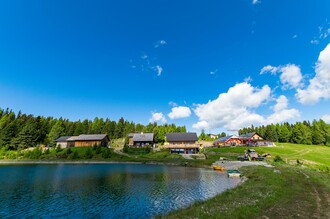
[(283, 192)]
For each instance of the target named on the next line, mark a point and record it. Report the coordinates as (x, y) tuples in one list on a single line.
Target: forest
[(19, 131), (317, 132)]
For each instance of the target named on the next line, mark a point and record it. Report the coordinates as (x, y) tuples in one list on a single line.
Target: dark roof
[(97, 137), (247, 135), (63, 138), (224, 139), (190, 136), (143, 137)]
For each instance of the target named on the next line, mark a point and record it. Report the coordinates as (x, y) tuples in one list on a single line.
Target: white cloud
[(233, 109), (281, 113), (157, 117), (160, 43), (269, 68), (248, 79), (290, 77), (179, 112), (255, 2), (159, 70), (281, 104), (294, 36), (319, 86), (326, 118)]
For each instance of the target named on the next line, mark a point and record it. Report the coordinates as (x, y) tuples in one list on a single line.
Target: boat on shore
[(233, 173), (218, 168)]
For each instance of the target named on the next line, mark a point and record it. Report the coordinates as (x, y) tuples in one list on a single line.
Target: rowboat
[(233, 173), (218, 168)]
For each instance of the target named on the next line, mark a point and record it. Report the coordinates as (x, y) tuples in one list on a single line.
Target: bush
[(98, 149), (74, 155), (68, 151), (88, 154), (278, 159), (34, 154), (58, 149), (125, 149), (47, 151), (106, 153)]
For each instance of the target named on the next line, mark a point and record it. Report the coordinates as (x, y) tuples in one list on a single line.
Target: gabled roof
[(143, 137), (179, 136), (247, 135), (63, 139), (97, 137), (224, 139)]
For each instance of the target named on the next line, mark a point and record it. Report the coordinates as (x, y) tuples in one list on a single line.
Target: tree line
[(19, 131), (317, 132)]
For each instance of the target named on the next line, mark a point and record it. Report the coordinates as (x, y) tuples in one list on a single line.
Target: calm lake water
[(104, 190)]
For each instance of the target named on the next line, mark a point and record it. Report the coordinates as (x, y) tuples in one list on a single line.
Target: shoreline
[(8, 162)]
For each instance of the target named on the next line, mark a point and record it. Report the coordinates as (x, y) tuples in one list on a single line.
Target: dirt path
[(239, 164)]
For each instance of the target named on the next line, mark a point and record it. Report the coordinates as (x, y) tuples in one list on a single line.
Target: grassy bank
[(313, 156), (280, 192)]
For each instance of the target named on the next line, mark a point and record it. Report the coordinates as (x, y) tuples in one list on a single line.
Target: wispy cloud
[(159, 70), (213, 72), (248, 79), (324, 32), (173, 104), (160, 43), (294, 36), (256, 2), (315, 41)]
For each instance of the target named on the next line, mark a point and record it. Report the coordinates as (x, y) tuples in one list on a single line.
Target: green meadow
[(313, 156)]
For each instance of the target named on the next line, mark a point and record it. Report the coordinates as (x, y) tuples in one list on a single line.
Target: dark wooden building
[(182, 143), (85, 140), (141, 139)]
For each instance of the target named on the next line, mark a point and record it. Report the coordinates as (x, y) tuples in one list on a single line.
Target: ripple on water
[(104, 190)]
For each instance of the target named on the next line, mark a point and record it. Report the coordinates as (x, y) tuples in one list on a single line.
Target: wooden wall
[(86, 143)]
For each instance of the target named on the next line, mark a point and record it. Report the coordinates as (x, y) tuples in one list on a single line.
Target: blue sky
[(214, 65)]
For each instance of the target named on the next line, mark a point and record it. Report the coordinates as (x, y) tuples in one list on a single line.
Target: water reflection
[(104, 190)]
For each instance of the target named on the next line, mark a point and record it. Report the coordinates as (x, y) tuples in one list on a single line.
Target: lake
[(104, 190)]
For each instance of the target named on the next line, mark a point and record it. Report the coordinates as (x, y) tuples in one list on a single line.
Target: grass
[(313, 156), (288, 192)]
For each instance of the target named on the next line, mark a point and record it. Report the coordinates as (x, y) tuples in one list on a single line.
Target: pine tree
[(56, 131)]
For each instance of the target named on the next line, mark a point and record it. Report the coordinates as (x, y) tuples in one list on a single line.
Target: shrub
[(106, 153), (88, 154), (74, 155), (34, 154), (278, 159), (68, 151), (98, 149), (47, 151), (125, 149), (58, 149)]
